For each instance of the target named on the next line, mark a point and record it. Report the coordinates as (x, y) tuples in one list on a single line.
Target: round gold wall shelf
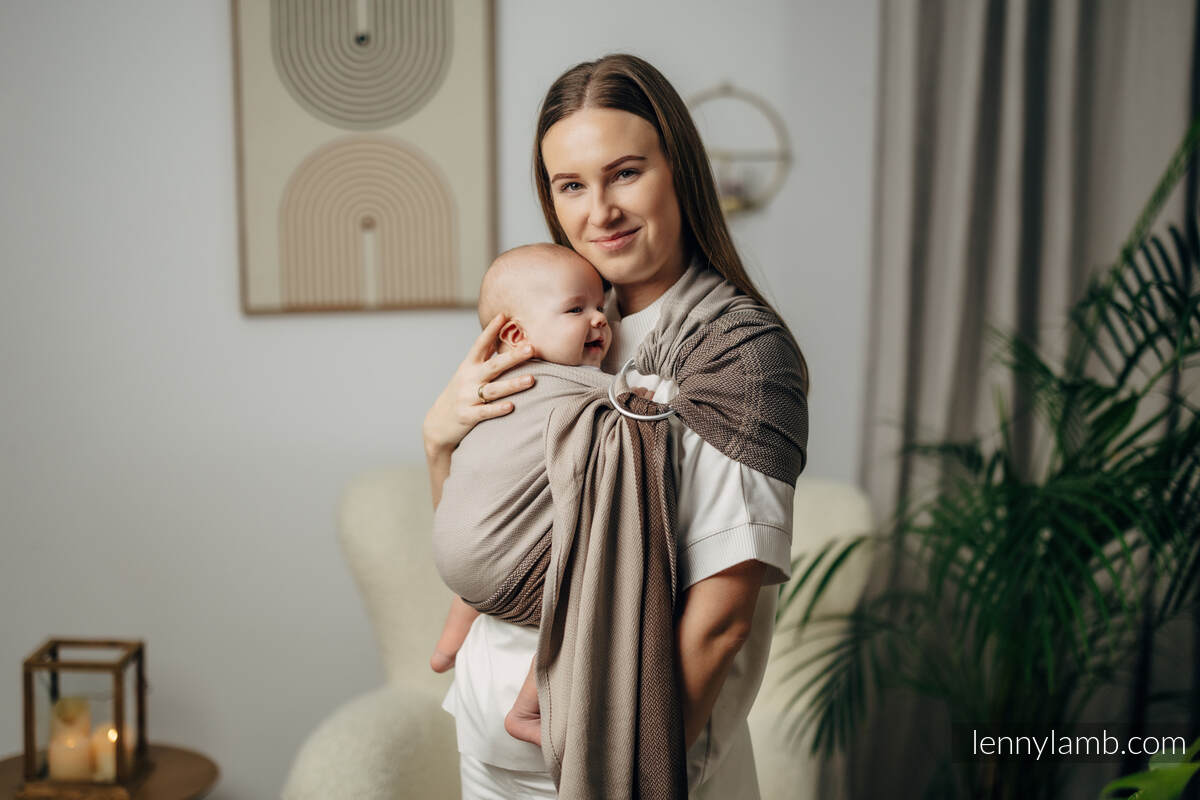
[(738, 193)]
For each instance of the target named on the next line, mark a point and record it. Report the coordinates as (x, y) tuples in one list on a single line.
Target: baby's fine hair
[(496, 291)]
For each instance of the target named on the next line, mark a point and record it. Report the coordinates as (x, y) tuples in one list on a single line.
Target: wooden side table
[(178, 774)]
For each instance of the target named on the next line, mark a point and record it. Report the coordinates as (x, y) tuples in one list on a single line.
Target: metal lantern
[(67, 755)]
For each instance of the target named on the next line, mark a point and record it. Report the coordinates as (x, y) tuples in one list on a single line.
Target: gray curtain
[(1016, 144)]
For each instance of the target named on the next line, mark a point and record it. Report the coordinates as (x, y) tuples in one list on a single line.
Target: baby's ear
[(511, 333)]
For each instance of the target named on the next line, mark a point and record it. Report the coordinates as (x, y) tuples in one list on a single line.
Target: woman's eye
[(625, 173), (570, 186)]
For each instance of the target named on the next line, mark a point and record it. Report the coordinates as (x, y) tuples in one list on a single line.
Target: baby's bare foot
[(440, 662)]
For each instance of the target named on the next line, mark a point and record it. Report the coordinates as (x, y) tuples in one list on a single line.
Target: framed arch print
[(365, 153)]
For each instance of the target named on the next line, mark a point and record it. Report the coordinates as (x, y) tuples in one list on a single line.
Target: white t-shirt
[(727, 513)]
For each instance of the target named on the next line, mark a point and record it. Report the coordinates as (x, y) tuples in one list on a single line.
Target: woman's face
[(615, 198)]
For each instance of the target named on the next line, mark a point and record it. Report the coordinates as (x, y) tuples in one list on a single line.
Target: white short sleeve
[(727, 512)]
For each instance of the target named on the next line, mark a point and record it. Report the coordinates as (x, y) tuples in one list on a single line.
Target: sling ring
[(612, 397)]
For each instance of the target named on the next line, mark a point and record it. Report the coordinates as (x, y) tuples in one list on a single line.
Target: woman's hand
[(524, 721), (471, 394)]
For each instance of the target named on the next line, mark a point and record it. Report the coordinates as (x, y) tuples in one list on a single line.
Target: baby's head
[(553, 299)]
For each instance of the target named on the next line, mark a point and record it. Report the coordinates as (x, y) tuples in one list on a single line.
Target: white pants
[(736, 780), (482, 781)]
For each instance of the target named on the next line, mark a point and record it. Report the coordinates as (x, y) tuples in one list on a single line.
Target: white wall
[(815, 62), (169, 468)]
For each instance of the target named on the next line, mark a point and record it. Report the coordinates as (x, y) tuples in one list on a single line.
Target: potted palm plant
[(1028, 593), (1166, 779)]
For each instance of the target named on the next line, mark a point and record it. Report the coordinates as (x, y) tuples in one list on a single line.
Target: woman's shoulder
[(749, 338)]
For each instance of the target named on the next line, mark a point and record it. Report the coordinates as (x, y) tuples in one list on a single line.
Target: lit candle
[(104, 751), (70, 758), (70, 753), (71, 716)]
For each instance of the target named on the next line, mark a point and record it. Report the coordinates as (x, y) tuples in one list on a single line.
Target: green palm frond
[(1026, 593), (1166, 779)]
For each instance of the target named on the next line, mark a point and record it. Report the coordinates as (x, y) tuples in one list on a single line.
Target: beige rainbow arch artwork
[(365, 148)]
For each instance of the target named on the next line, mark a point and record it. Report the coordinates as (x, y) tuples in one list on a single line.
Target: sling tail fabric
[(562, 514)]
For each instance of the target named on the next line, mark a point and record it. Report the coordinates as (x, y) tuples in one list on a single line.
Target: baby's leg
[(454, 633)]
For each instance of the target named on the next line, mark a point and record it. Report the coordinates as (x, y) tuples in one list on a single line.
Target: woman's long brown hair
[(628, 83)]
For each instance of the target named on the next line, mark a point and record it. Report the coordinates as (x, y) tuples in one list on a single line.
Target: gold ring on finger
[(479, 392)]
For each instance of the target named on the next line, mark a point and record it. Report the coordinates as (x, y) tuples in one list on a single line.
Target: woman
[(623, 179)]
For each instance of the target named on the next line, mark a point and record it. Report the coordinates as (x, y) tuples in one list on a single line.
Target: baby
[(553, 299)]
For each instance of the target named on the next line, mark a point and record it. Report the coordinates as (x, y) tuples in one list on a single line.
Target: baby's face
[(562, 314)]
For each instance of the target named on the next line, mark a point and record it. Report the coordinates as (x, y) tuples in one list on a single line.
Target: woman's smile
[(616, 241)]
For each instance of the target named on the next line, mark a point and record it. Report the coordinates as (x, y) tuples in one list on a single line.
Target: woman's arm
[(717, 614), (459, 407)]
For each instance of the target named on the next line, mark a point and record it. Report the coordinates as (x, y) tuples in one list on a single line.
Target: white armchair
[(395, 742)]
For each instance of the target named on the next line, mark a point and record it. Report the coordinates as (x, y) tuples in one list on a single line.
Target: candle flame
[(112, 734)]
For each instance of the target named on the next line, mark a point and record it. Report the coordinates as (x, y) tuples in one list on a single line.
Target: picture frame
[(365, 134)]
